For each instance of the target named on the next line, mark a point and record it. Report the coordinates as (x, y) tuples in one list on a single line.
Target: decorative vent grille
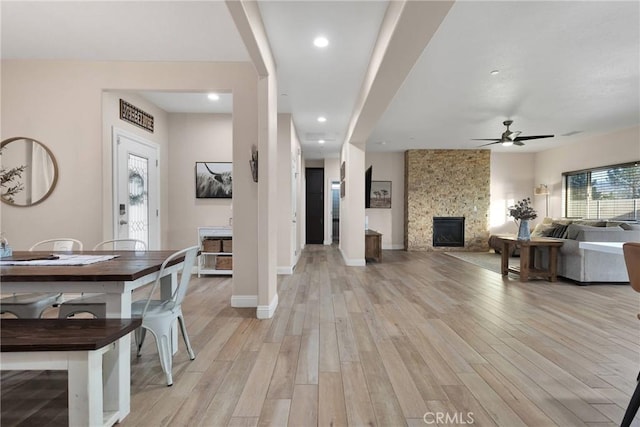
[(132, 114)]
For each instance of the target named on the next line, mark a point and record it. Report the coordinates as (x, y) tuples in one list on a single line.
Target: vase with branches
[(522, 212)]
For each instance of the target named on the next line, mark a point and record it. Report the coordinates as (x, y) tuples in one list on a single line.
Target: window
[(611, 192)]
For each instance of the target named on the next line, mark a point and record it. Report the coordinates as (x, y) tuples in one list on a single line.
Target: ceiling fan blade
[(525, 138), (518, 143), (496, 141), (514, 135), (487, 139)]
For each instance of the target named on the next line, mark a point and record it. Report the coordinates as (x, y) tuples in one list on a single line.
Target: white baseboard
[(327, 242), (393, 247), (244, 301), (353, 262), (267, 311), (285, 270)]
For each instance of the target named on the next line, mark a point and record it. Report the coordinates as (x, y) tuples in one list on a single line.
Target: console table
[(527, 267), (373, 245)]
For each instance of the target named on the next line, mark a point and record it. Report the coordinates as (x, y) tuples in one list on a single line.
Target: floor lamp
[(543, 190)]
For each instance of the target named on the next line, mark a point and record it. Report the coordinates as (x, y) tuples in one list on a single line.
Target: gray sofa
[(587, 266)]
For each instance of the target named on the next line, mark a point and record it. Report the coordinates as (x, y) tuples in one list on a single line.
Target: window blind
[(611, 192)]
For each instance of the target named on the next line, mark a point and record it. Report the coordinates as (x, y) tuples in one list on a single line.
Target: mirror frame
[(55, 172)]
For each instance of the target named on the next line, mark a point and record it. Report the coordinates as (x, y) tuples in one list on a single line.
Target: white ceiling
[(564, 66)]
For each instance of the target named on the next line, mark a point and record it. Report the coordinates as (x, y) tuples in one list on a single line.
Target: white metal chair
[(158, 316), (121, 245), (63, 244), (95, 304), (32, 305)]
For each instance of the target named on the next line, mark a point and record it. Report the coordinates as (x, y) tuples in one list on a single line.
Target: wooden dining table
[(117, 278)]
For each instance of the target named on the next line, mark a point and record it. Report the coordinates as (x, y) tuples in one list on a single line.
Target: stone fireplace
[(451, 184)]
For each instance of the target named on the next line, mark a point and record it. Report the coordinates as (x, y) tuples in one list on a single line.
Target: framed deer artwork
[(213, 180), (381, 194)]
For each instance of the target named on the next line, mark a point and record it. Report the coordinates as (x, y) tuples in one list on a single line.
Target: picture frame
[(214, 180), (381, 194), (342, 171)]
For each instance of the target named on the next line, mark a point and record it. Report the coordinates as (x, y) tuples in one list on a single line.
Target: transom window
[(610, 192)]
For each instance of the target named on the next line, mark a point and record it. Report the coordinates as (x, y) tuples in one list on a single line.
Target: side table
[(527, 267), (373, 245)]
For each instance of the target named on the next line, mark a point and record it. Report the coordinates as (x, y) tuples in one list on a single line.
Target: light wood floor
[(416, 337)]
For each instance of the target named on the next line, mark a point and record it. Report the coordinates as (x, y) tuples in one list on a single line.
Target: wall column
[(352, 206)]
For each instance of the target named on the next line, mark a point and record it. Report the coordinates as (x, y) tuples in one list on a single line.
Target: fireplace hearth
[(448, 231)]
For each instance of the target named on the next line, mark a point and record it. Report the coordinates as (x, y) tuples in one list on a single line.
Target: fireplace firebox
[(448, 231)]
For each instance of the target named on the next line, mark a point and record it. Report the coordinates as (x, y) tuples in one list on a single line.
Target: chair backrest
[(632, 260), (190, 255), (121, 245), (62, 244)]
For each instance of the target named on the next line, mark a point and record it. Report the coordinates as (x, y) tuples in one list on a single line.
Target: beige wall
[(301, 218), (160, 137), (314, 163), (389, 222), (512, 179), (331, 173), (352, 206), (60, 104), (287, 150), (196, 138), (601, 150)]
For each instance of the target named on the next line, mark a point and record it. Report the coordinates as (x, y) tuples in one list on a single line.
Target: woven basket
[(211, 245), (224, 263), (227, 246)]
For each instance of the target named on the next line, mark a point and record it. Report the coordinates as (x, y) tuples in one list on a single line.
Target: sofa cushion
[(591, 222), (628, 226), (603, 234)]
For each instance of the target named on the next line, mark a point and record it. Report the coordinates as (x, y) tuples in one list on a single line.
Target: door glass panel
[(138, 198)]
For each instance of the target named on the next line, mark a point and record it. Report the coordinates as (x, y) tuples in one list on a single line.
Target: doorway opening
[(335, 211), (314, 205)]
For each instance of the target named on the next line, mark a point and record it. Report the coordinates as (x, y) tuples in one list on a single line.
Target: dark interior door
[(315, 205)]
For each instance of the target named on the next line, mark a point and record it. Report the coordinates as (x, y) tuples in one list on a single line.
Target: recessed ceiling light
[(322, 119), (320, 41), (494, 72), (321, 141), (213, 96)]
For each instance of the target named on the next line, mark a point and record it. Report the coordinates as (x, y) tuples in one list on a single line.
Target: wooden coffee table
[(527, 267)]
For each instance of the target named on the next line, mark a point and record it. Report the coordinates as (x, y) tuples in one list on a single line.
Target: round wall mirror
[(32, 168)]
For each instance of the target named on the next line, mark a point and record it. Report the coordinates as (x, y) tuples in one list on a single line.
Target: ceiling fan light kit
[(510, 138)]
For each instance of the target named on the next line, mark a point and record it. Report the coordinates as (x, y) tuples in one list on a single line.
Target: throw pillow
[(559, 232), (541, 229)]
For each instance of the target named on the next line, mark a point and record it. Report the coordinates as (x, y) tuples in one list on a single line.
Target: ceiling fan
[(509, 137)]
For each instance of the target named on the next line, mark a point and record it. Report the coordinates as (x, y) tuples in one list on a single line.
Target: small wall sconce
[(254, 163)]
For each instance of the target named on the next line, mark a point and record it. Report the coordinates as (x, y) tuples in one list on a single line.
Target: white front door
[(136, 189)]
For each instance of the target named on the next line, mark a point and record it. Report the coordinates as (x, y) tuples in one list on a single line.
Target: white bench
[(73, 345)]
